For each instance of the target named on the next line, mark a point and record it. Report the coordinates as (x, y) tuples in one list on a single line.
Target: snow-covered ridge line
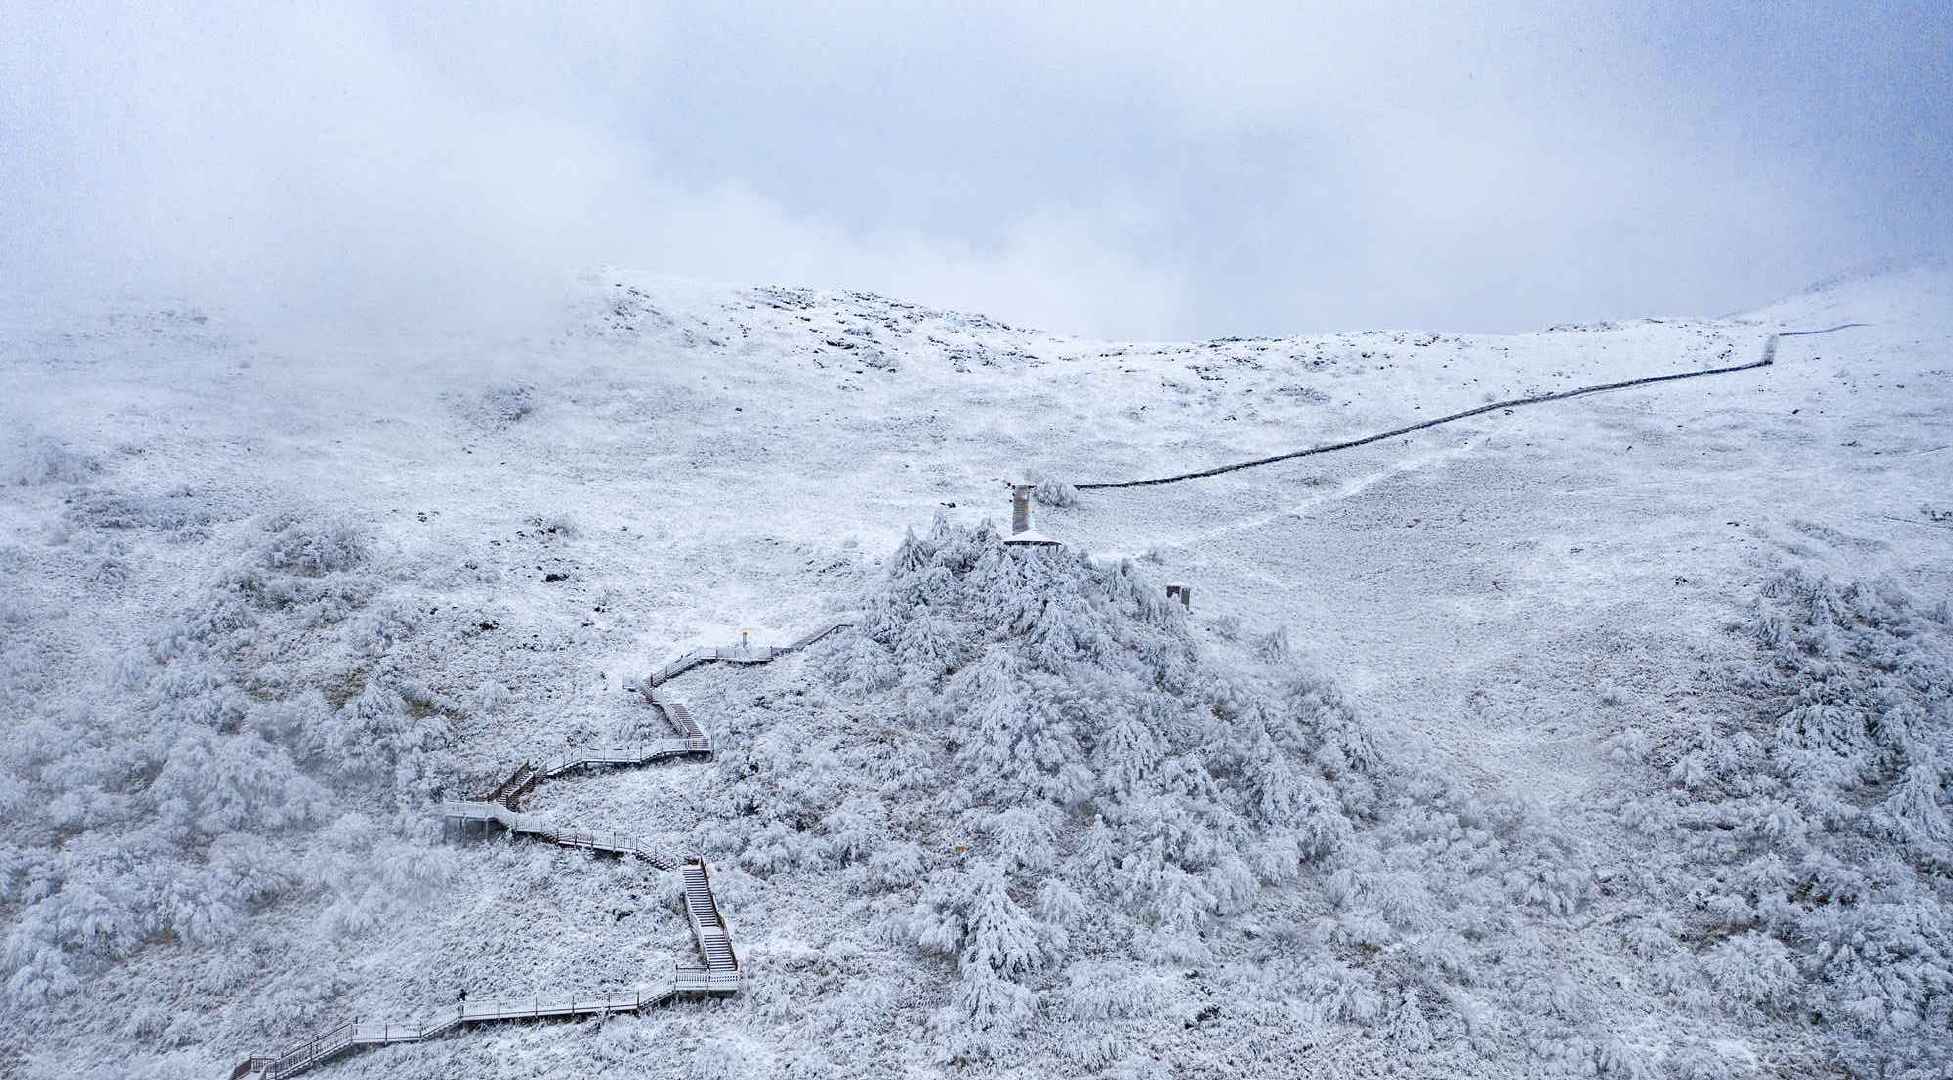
[(1769, 357), (722, 973)]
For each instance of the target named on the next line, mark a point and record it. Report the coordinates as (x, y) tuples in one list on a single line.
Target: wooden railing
[(612, 843), (311, 1052), (642, 754), (692, 981)]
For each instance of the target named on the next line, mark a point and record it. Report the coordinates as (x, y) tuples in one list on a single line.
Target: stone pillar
[(1020, 508)]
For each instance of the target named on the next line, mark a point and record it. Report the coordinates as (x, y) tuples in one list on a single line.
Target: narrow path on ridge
[(1769, 357)]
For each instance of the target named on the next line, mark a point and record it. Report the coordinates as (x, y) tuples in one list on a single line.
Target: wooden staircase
[(520, 782), (676, 714), (708, 925)]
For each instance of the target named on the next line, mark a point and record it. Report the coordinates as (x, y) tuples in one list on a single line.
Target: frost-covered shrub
[(374, 733), (491, 698), (561, 525), (47, 460), (1053, 492), (1102, 990), (1630, 746), (772, 850), (499, 405), (896, 867), (1756, 969), (15, 611), (178, 515), (1699, 1060), (1807, 834), (174, 807), (211, 785), (1046, 757), (374, 874), (309, 546), (378, 630), (852, 831)]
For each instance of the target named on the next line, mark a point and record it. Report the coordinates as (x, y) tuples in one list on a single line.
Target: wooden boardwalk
[(738, 654), (352, 1035), (488, 815), (721, 973)]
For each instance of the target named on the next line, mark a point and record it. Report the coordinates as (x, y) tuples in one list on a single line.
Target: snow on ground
[(459, 551)]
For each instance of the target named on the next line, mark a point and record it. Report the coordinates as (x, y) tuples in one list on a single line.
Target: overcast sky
[(1107, 169)]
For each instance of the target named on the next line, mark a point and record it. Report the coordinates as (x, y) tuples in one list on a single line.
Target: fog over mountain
[(1603, 733), (1160, 172), (849, 542)]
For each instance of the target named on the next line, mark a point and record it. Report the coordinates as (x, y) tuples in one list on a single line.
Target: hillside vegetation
[(1605, 738)]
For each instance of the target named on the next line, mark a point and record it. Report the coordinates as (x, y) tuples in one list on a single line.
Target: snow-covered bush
[(561, 525), (504, 404), (46, 460), (1755, 969), (183, 802), (491, 698), (211, 785), (179, 515), (309, 547), (1058, 776), (375, 733), (1807, 835), (1053, 492)]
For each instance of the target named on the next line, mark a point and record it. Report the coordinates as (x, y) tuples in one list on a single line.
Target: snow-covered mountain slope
[(264, 603)]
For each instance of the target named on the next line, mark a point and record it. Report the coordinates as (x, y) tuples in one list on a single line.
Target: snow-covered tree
[(1062, 766), (1809, 832)]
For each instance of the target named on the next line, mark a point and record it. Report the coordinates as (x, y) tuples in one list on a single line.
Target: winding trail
[(1769, 357), (719, 972)]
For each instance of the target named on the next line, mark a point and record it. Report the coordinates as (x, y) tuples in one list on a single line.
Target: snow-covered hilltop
[(1604, 737)]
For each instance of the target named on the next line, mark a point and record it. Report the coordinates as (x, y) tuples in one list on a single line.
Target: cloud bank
[(1116, 170)]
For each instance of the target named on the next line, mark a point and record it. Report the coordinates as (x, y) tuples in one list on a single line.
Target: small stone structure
[(1183, 593), (1020, 519)]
